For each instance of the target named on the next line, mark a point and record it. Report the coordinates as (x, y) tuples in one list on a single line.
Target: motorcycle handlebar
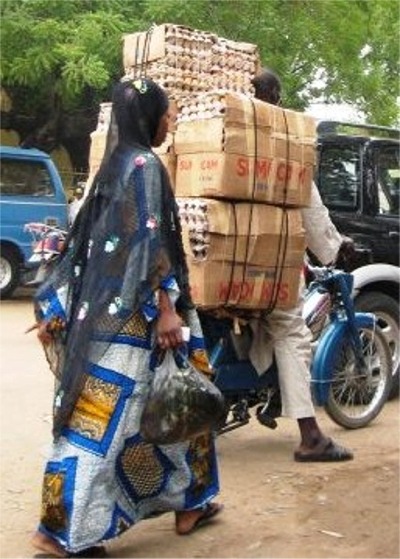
[(34, 227)]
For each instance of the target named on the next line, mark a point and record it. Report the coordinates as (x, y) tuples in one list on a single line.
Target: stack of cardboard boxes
[(242, 255), (242, 169), (98, 141), (250, 150), (250, 168), (182, 60), (188, 62)]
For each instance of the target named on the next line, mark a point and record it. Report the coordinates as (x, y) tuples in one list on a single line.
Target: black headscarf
[(113, 214), (143, 103)]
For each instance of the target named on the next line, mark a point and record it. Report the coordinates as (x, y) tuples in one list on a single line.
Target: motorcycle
[(47, 243), (351, 365)]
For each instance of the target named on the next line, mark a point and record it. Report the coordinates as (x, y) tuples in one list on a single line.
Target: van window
[(24, 178)]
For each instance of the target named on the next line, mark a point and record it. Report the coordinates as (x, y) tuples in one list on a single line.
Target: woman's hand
[(47, 329), (169, 324), (43, 332), (169, 329)]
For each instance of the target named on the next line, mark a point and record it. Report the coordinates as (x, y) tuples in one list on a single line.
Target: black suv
[(358, 177)]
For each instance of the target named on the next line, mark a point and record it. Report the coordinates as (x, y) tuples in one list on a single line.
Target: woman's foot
[(96, 551), (47, 545), (52, 548), (188, 520)]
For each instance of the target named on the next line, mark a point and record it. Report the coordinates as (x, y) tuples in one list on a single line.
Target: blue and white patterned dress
[(102, 477)]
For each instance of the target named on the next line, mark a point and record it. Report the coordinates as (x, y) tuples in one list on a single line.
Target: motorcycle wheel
[(387, 313), (356, 398)]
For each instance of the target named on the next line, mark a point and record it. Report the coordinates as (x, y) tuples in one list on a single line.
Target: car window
[(339, 177), (388, 175), (24, 178)]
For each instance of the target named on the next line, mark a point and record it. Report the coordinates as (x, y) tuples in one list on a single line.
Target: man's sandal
[(326, 451)]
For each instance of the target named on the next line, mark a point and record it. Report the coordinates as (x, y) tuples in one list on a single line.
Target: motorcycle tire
[(387, 313), (356, 398)]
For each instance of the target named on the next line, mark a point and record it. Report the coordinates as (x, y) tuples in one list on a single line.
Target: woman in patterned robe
[(119, 295)]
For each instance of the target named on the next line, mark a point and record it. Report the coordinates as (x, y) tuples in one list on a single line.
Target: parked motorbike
[(47, 243), (351, 366)]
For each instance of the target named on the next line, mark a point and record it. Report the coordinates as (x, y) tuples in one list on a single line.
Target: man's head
[(78, 192), (267, 87)]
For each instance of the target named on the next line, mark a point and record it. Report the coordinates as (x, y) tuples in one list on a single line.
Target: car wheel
[(387, 312), (9, 272)]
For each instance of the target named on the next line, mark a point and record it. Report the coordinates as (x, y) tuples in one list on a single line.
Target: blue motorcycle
[(351, 367)]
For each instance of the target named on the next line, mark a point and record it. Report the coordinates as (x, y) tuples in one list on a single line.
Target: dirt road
[(274, 507)]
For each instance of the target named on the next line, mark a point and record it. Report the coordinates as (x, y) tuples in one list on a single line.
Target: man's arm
[(322, 237)]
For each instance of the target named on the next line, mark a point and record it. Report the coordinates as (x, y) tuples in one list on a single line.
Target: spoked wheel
[(357, 396), (387, 312)]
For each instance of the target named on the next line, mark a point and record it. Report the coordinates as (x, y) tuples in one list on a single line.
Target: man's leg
[(291, 341)]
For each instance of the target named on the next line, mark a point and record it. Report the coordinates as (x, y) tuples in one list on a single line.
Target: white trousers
[(285, 335)]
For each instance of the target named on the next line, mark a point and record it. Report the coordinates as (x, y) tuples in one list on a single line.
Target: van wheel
[(386, 309), (9, 272)]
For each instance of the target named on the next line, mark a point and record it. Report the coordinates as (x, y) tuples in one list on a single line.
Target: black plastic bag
[(182, 403)]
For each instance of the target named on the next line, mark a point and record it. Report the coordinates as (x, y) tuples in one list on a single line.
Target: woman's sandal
[(94, 552), (189, 520), (50, 548)]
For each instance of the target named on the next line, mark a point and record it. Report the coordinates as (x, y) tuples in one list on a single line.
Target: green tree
[(353, 45), (60, 57)]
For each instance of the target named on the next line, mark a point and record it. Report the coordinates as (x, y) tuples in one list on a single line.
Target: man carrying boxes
[(244, 183), (285, 333)]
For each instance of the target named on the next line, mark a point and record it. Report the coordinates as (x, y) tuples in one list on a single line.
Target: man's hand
[(346, 253)]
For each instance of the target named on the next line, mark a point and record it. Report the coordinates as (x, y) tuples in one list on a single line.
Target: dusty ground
[(274, 507)]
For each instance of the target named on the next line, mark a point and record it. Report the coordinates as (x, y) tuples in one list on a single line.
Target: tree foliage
[(64, 55), (60, 50), (337, 50)]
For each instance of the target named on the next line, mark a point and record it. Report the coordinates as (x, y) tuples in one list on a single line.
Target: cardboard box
[(147, 46), (245, 126), (186, 60), (98, 140), (165, 40), (144, 46), (242, 109), (213, 136), (242, 255), (251, 151), (169, 160), (256, 234), (221, 284), (224, 175), (165, 153)]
